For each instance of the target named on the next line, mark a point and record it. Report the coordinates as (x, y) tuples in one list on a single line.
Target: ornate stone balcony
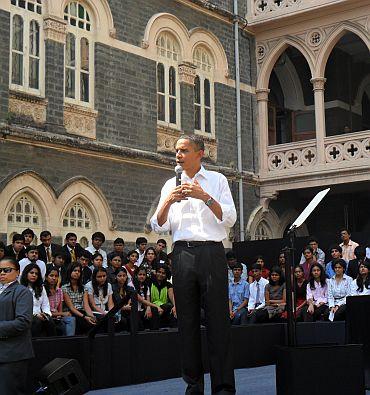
[(260, 11)]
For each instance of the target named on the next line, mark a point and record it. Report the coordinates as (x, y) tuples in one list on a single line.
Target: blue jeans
[(69, 326), (240, 317)]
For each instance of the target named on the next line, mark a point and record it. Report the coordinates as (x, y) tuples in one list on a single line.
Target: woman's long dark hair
[(37, 285), (95, 284), (46, 283), (70, 269), (122, 269), (322, 276), (137, 283), (359, 281), (276, 269)]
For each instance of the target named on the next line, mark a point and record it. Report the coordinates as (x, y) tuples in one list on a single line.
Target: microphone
[(178, 171)]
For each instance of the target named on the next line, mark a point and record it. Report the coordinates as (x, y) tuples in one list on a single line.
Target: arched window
[(203, 92), (262, 232), (78, 55), (27, 49), (23, 213), (168, 89)]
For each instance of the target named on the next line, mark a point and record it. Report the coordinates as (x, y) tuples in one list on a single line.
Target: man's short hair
[(17, 237), (28, 231), (163, 241), (12, 261), (31, 248), (360, 252), (230, 255), (256, 266), (238, 266), (59, 252), (344, 230), (335, 247), (45, 233), (86, 254), (98, 235), (141, 240), (194, 139), (313, 239), (119, 240), (70, 234)]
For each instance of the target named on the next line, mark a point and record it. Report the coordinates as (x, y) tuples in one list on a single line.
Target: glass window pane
[(81, 24), (160, 78), (84, 54), (39, 9), (161, 107), (17, 69), (70, 50), (197, 118), (81, 12), (73, 9), (172, 110), (34, 38), (88, 27), (72, 21), (22, 3), (18, 33), (34, 73), (208, 120), (70, 83), (172, 81), (84, 87), (31, 7), (197, 90), (207, 93)]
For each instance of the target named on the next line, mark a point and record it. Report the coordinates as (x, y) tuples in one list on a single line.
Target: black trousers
[(320, 313), (13, 378), (200, 280)]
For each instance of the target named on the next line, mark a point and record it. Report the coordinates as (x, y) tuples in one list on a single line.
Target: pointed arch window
[(168, 89), (77, 216), (27, 57), (204, 117), (79, 55), (263, 231)]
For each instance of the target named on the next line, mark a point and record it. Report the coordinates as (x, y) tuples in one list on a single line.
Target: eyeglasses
[(6, 270)]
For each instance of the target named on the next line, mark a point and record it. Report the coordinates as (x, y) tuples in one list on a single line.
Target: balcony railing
[(265, 10)]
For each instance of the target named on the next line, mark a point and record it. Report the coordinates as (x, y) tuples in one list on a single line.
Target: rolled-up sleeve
[(227, 204), (166, 227)]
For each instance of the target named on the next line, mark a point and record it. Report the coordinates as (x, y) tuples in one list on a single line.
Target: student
[(318, 254), (131, 265), (15, 330), (32, 255), (72, 250), (99, 293), (316, 295), (16, 250), (64, 322), (281, 262), (42, 323), (335, 252), (141, 243), (256, 301), (47, 248), (97, 240), (354, 264), (265, 272), (275, 295), (348, 246), (161, 256), (161, 294), (114, 266), (96, 261), (118, 248), (238, 296), (58, 262), (300, 292), (339, 287), (2, 250), (75, 299), (150, 261), (231, 261), (85, 261), (309, 261), (28, 235), (361, 286)]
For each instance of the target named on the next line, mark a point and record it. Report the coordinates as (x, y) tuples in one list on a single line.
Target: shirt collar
[(201, 173)]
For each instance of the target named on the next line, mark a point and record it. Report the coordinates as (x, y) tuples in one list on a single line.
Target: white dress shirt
[(338, 292), (141, 257), (356, 292), (41, 304), (25, 261), (253, 294), (368, 252), (191, 219), (92, 250), (320, 257)]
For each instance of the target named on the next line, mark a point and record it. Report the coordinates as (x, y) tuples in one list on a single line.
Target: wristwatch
[(209, 202)]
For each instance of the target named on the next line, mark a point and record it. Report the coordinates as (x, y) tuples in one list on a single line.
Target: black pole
[(289, 264)]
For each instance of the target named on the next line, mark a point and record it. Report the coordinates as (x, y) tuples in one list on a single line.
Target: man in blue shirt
[(238, 296), (335, 253)]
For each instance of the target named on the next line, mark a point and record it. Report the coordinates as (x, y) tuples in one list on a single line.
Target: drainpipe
[(238, 120)]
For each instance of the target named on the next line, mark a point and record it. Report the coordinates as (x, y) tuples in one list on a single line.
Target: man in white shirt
[(198, 213), (32, 256), (256, 294), (98, 240), (348, 246), (318, 253), (141, 243)]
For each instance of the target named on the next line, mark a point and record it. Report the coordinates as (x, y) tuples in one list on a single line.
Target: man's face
[(160, 247), (237, 272), (119, 247), (84, 261), (142, 247), (344, 235), (33, 255), (256, 274), (58, 261), (46, 241), (313, 245), (11, 275), (231, 262), (28, 239), (18, 245), (2, 253), (97, 242), (187, 156), (71, 242), (335, 254)]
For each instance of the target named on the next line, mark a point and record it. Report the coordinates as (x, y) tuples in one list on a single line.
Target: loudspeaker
[(63, 376), (317, 370)]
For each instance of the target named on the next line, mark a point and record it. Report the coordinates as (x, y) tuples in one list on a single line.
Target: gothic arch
[(260, 215), (332, 40), (269, 63)]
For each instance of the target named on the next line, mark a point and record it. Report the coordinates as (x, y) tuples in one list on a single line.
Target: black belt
[(192, 244)]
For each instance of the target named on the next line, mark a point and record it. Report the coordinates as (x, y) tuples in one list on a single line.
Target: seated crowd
[(74, 288)]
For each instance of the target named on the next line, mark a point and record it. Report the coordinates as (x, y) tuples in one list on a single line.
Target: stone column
[(186, 78), (55, 38), (318, 88), (4, 63), (262, 106)]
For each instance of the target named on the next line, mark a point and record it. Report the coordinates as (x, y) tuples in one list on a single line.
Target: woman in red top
[(265, 272), (309, 261)]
